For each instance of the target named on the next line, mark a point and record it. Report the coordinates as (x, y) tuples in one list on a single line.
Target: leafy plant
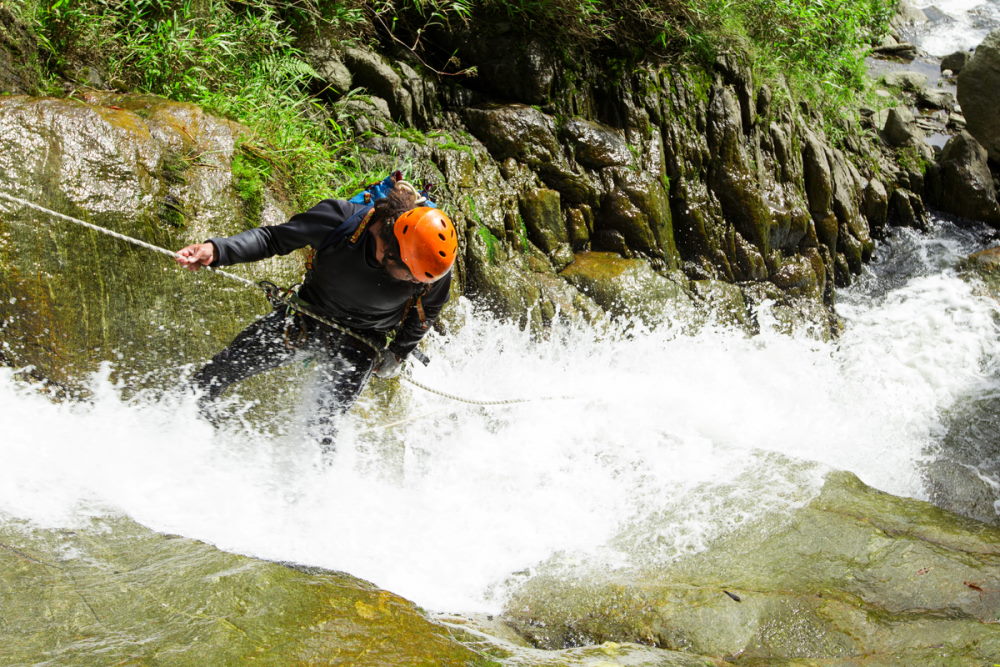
[(235, 59)]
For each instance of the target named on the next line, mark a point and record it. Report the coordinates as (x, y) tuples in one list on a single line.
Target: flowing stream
[(666, 439), (954, 25)]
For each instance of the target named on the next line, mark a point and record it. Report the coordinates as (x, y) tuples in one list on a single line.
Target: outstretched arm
[(307, 228)]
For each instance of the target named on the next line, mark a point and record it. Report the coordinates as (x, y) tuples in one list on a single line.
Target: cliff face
[(709, 178), (669, 192)]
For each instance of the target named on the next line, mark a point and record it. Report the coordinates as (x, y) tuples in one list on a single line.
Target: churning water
[(955, 25), (668, 439)]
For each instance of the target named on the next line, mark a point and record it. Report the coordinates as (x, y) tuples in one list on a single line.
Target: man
[(383, 272)]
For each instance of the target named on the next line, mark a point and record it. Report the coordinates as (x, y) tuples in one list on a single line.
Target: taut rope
[(273, 294)]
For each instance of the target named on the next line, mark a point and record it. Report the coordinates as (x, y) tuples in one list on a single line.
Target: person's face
[(395, 268), (387, 254)]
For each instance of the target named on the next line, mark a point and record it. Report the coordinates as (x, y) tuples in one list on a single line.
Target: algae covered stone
[(151, 169), (856, 575), (128, 595), (628, 287)]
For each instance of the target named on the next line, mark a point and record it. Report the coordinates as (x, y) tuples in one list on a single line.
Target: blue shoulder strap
[(344, 229)]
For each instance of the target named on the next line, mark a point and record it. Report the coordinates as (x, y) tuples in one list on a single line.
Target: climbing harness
[(278, 297)]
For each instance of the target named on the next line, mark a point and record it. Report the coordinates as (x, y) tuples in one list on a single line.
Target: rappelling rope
[(273, 294), (509, 401), (122, 237)]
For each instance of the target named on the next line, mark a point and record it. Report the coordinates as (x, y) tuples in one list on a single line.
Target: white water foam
[(670, 440), (956, 25)]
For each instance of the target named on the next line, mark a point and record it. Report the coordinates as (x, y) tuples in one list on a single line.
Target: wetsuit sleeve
[(307, 228), (412, 329)]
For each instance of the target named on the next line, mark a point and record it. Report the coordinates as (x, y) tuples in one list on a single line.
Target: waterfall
[(666, 439)]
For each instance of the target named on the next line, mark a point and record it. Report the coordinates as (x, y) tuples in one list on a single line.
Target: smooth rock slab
[(130, 596), (856, 576)]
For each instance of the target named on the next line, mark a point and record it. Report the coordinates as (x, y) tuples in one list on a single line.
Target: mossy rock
[(154, 170), (856, 576), (130, 596), (629, 287)]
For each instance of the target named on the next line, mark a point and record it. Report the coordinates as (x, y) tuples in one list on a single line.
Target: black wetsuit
[(346, 285)]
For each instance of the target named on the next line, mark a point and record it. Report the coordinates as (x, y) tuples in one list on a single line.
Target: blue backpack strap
[(353, 226), (374, 191)]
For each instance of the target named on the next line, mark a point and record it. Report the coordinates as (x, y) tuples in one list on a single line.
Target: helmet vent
[(427, 273), (441, 236), (441, 252), (406, 228)]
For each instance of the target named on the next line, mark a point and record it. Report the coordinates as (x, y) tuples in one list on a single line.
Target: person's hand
[(389, 366), (193, 257)]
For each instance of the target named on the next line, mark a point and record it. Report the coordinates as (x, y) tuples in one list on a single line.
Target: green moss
[(251, 173), (491, 243), (522, 234), (135, 597)]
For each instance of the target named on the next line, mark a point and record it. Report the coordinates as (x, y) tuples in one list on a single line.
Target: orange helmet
[(427, 242)]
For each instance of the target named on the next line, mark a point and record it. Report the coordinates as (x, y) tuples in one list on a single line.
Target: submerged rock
[(856, 576)]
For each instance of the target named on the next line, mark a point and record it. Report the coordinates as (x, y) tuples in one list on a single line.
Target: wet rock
[(986, 261), (512, 67), (876, 203), (724, 302), (579, 225), (979, 94), (818, 177), (961, 488), (596, 145), (611, 240), (323, 54), (855, 575), (907, 16), (372, 72), (628, 287), (638, 207), (955, 62), (928, 98), (797, 276), (906, 209), (737, 188), (908, 81), (149, 168), (366, 113), (902, 51), (901, 129), (424, 94), (544, 219), (962, 183), (130, 595), (515, 131)]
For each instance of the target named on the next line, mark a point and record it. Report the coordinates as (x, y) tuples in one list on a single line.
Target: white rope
[(122, 237), (249, 283)]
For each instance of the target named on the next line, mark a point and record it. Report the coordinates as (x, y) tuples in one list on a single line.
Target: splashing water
[(668, 440), (955, 25)]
